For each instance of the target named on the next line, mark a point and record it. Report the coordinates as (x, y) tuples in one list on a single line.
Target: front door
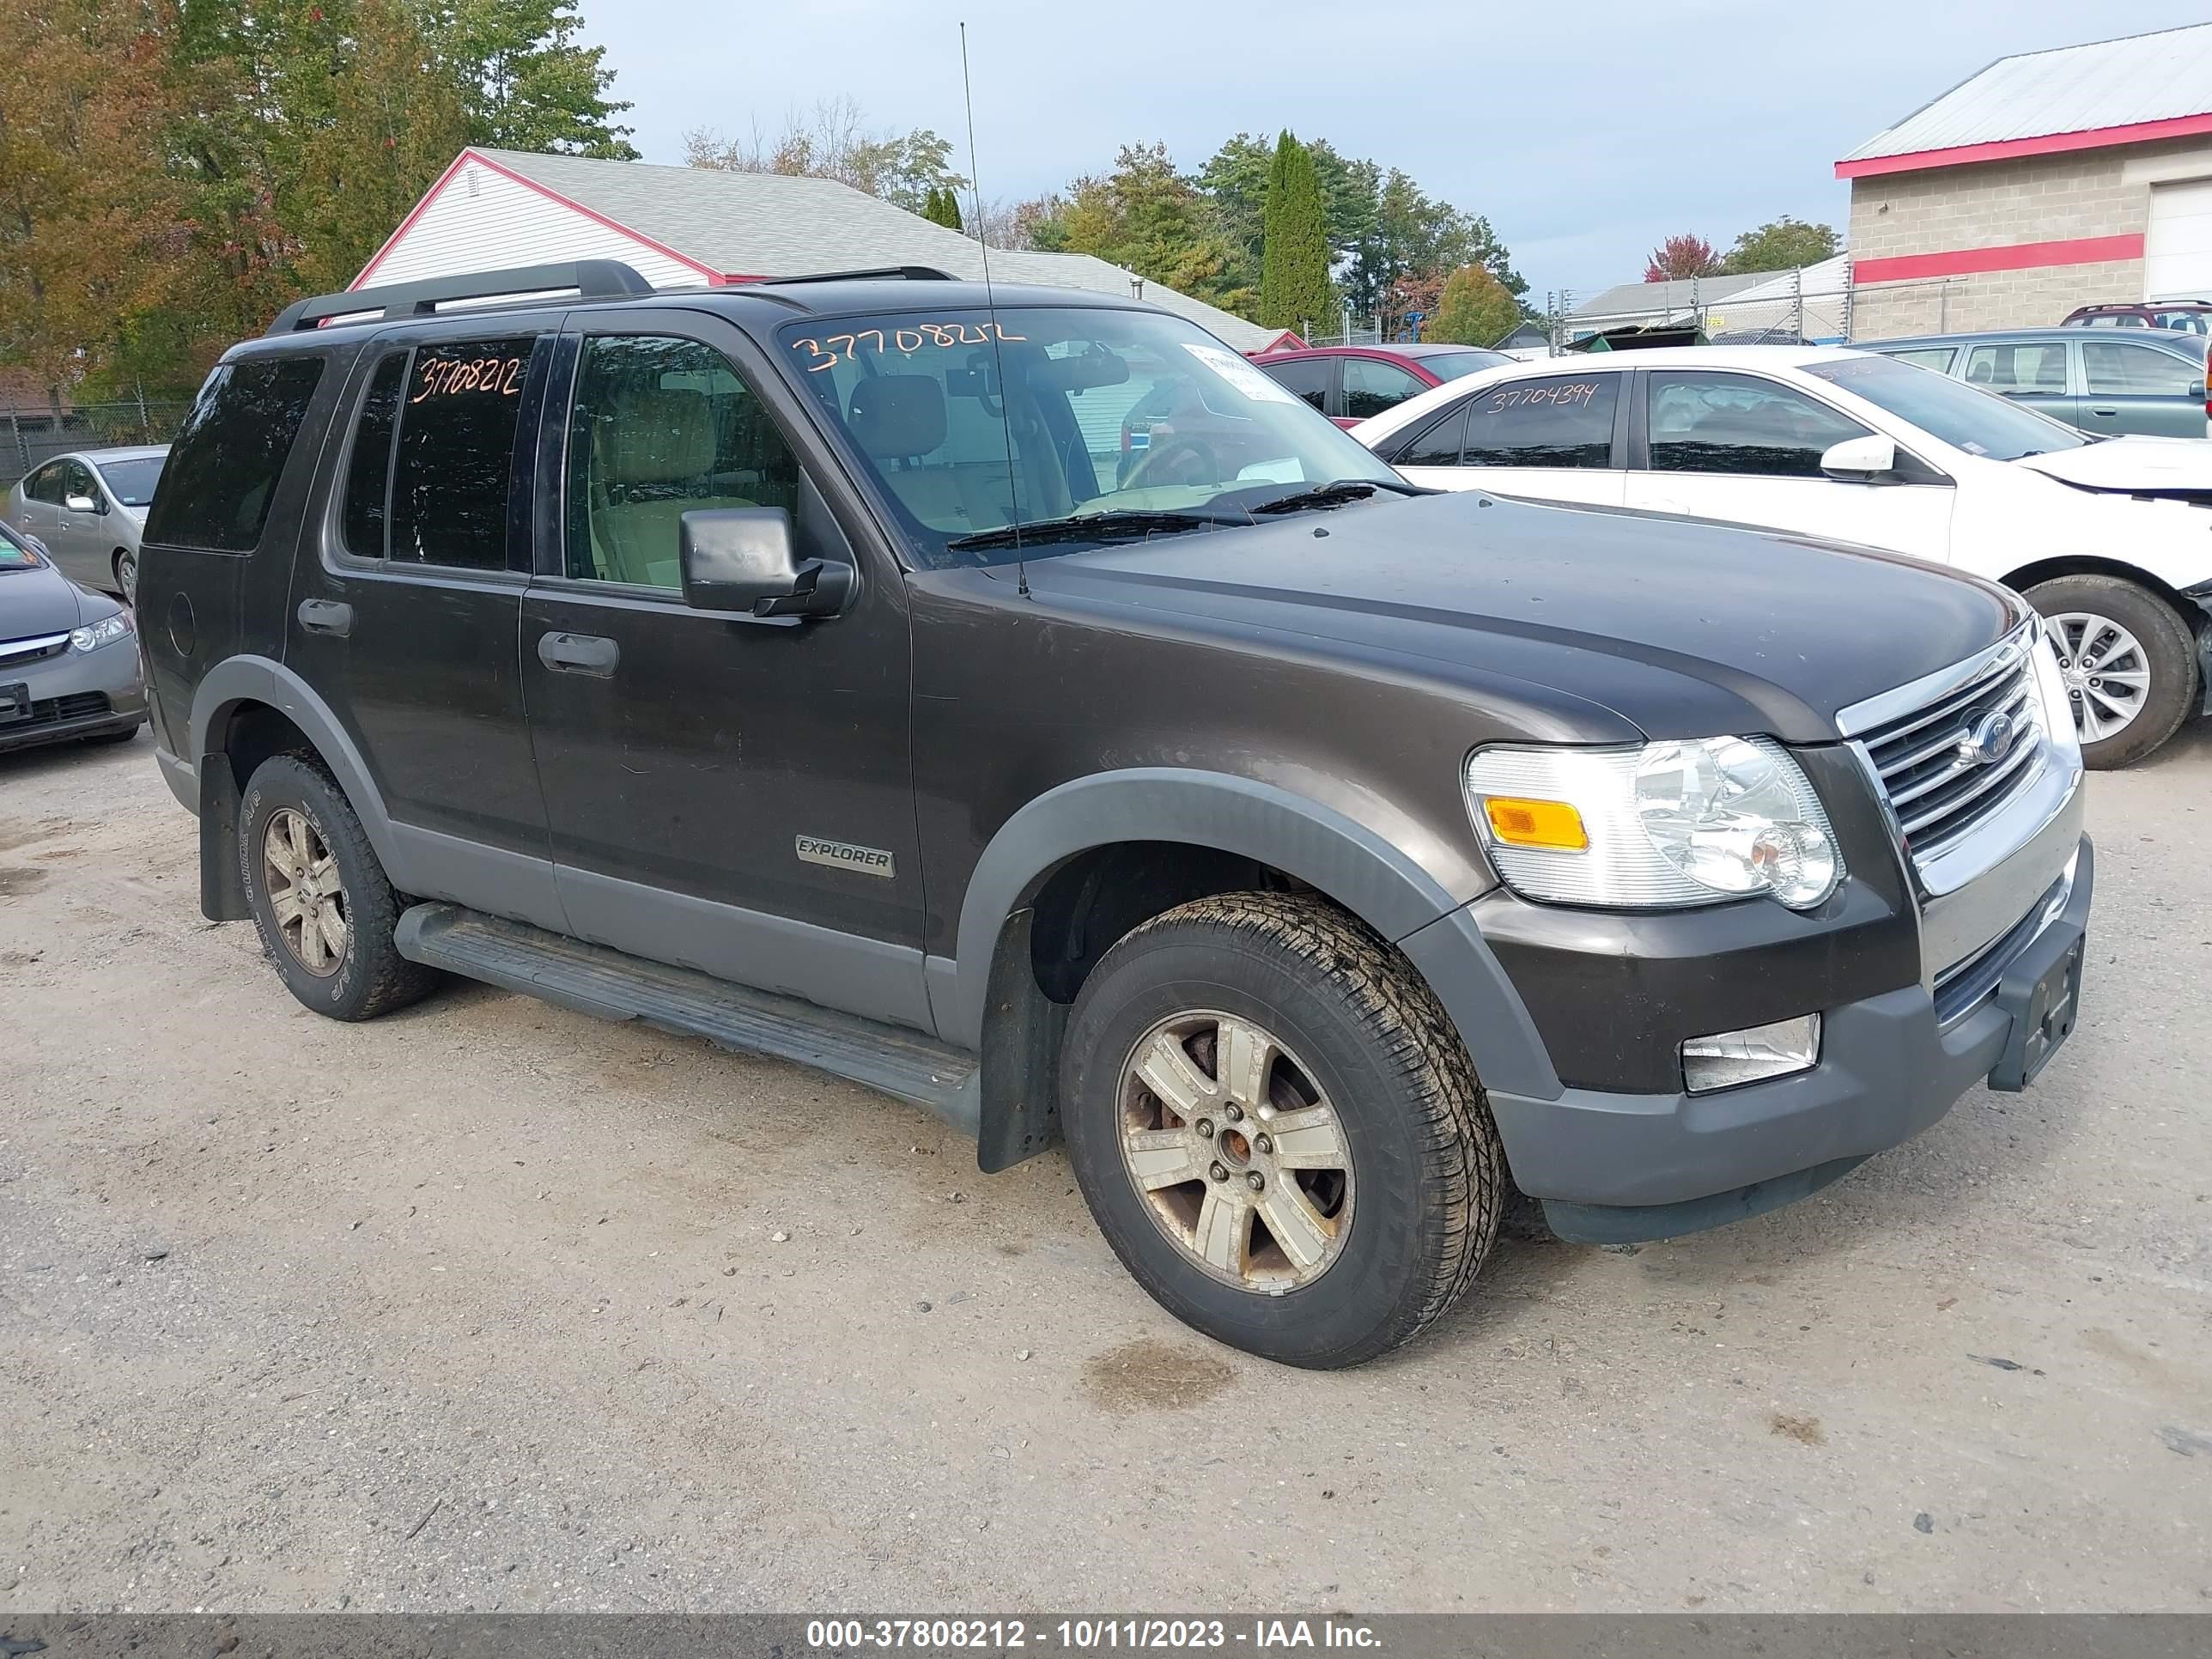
[(1746, 449), (726, 791), (2128, 386), (76, 527), (1552, 438), (406, 623)]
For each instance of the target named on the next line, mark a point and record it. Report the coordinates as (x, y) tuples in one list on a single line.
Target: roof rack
[(874, 273), (591, 279)]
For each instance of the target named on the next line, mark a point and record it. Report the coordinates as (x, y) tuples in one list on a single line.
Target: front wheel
[(1277, 1129), (126, 576), (2129, 662)]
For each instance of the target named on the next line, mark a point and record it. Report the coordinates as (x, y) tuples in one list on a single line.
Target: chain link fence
[(1811, 306), (31, 435)]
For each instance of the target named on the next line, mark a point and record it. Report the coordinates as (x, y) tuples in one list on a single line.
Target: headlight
[(1663, 826), (105, 631)]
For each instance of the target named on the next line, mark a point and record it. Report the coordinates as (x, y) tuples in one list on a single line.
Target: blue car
[(2146, 380)]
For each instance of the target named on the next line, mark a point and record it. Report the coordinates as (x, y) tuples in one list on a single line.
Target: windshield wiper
[(1129, 523)]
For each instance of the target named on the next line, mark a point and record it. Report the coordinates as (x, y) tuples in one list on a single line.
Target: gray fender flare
[(1375, 880), (261, 679)]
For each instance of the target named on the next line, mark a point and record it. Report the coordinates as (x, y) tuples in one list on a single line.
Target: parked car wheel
[(2130, 663), (1278, 1131), (319, 896), (126, 576)]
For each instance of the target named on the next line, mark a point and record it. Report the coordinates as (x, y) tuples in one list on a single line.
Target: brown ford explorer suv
[(794, 665)]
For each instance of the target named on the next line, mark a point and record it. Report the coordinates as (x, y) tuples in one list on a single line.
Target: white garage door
[(2177, 256)]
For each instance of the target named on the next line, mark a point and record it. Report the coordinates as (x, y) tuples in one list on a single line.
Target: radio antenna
[(998, 338)]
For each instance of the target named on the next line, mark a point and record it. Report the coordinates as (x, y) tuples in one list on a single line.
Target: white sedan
[(2111, 539)]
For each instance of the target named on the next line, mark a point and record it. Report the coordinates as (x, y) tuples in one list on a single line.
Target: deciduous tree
[(833, 141), (1473, 309), (1784, 244), (1682, 255), (525, 81)]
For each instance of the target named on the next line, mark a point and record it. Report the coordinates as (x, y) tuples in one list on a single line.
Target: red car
[(1350, 383)]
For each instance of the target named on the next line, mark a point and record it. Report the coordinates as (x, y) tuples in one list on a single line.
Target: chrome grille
[(15, 653), (1939, 788)]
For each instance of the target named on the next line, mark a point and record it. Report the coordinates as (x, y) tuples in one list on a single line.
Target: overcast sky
[(1585, 131)]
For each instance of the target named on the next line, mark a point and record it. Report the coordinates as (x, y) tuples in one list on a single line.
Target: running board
[(611, 984)]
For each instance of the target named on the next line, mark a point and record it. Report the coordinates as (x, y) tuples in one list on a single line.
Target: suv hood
[(38, 601), (1682, 627), (2178, 467)]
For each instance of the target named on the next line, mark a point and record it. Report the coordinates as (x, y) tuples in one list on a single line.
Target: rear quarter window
[(223, 471)]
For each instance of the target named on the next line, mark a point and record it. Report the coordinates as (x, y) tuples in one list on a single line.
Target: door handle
[(2103, 411), (579, 653), (326, 617)]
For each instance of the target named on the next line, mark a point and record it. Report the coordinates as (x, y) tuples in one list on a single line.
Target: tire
[(2075, 607), (1423, 1178), (125, 735), (348, 972), (125, 567)]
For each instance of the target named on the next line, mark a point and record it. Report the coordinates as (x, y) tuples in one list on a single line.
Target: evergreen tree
[(1295, 289), (524, 80), (942, 206)]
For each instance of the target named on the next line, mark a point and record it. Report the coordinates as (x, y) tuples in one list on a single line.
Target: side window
[(78, 484), (368, 465), (2115, 368), (1438, 443), (223, 468), (1936, 357), (662, 427), (2039, 366), (1554, 422), (45, 484), (1302, 377), (452, 462), (1370, 387), (1735, 424)]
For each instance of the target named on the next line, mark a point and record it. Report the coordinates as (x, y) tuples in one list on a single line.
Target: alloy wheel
[(305, 894), (1240, 1157), (2106, 672)]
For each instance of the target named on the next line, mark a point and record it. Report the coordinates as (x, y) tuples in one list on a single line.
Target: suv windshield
[(1980, 422), (973, 423)]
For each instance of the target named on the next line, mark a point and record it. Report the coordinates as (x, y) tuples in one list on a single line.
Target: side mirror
[(739, 558), (1860, 460), (81, 504)]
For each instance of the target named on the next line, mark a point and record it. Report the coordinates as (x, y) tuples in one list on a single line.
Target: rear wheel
[(2129, 664), (126, 576), (319, 896), (1277, 1129)]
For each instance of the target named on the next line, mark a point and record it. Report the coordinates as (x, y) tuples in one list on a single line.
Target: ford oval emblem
[(1990, 742)]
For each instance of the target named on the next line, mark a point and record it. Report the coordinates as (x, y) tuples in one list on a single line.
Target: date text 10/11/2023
[(1080, 1635)]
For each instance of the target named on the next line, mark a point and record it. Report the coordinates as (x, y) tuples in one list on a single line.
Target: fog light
[(1728, 1058)]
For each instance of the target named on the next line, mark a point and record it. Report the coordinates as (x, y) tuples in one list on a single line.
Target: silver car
[(88, 507), (69, 657)]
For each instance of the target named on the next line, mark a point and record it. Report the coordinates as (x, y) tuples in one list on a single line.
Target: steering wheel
[(1181, 461)]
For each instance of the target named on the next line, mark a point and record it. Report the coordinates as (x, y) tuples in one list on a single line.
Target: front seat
[(900, 419), (653, 461)]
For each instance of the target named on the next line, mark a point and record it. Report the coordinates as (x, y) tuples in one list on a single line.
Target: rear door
[(1313, 379), (726, 792), (406, 622), (1559, 438), (1371, 385), (2037, 373), (1718, 444), (2132, 385)]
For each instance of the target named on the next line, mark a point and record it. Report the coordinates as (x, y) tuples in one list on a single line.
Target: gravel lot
[(490, 1305)]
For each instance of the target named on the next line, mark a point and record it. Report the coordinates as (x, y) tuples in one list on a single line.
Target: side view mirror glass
[(740, 558), (1860, 460), (81, 504)]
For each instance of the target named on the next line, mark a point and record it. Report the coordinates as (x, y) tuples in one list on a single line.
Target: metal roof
[(2139, 79), (771, 224), (1661, 299)]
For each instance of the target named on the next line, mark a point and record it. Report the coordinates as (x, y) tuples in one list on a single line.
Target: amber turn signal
[(1549, 823)]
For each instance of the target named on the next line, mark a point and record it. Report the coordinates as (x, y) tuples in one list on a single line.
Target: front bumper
[(1615, 1167), (80, 694)]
